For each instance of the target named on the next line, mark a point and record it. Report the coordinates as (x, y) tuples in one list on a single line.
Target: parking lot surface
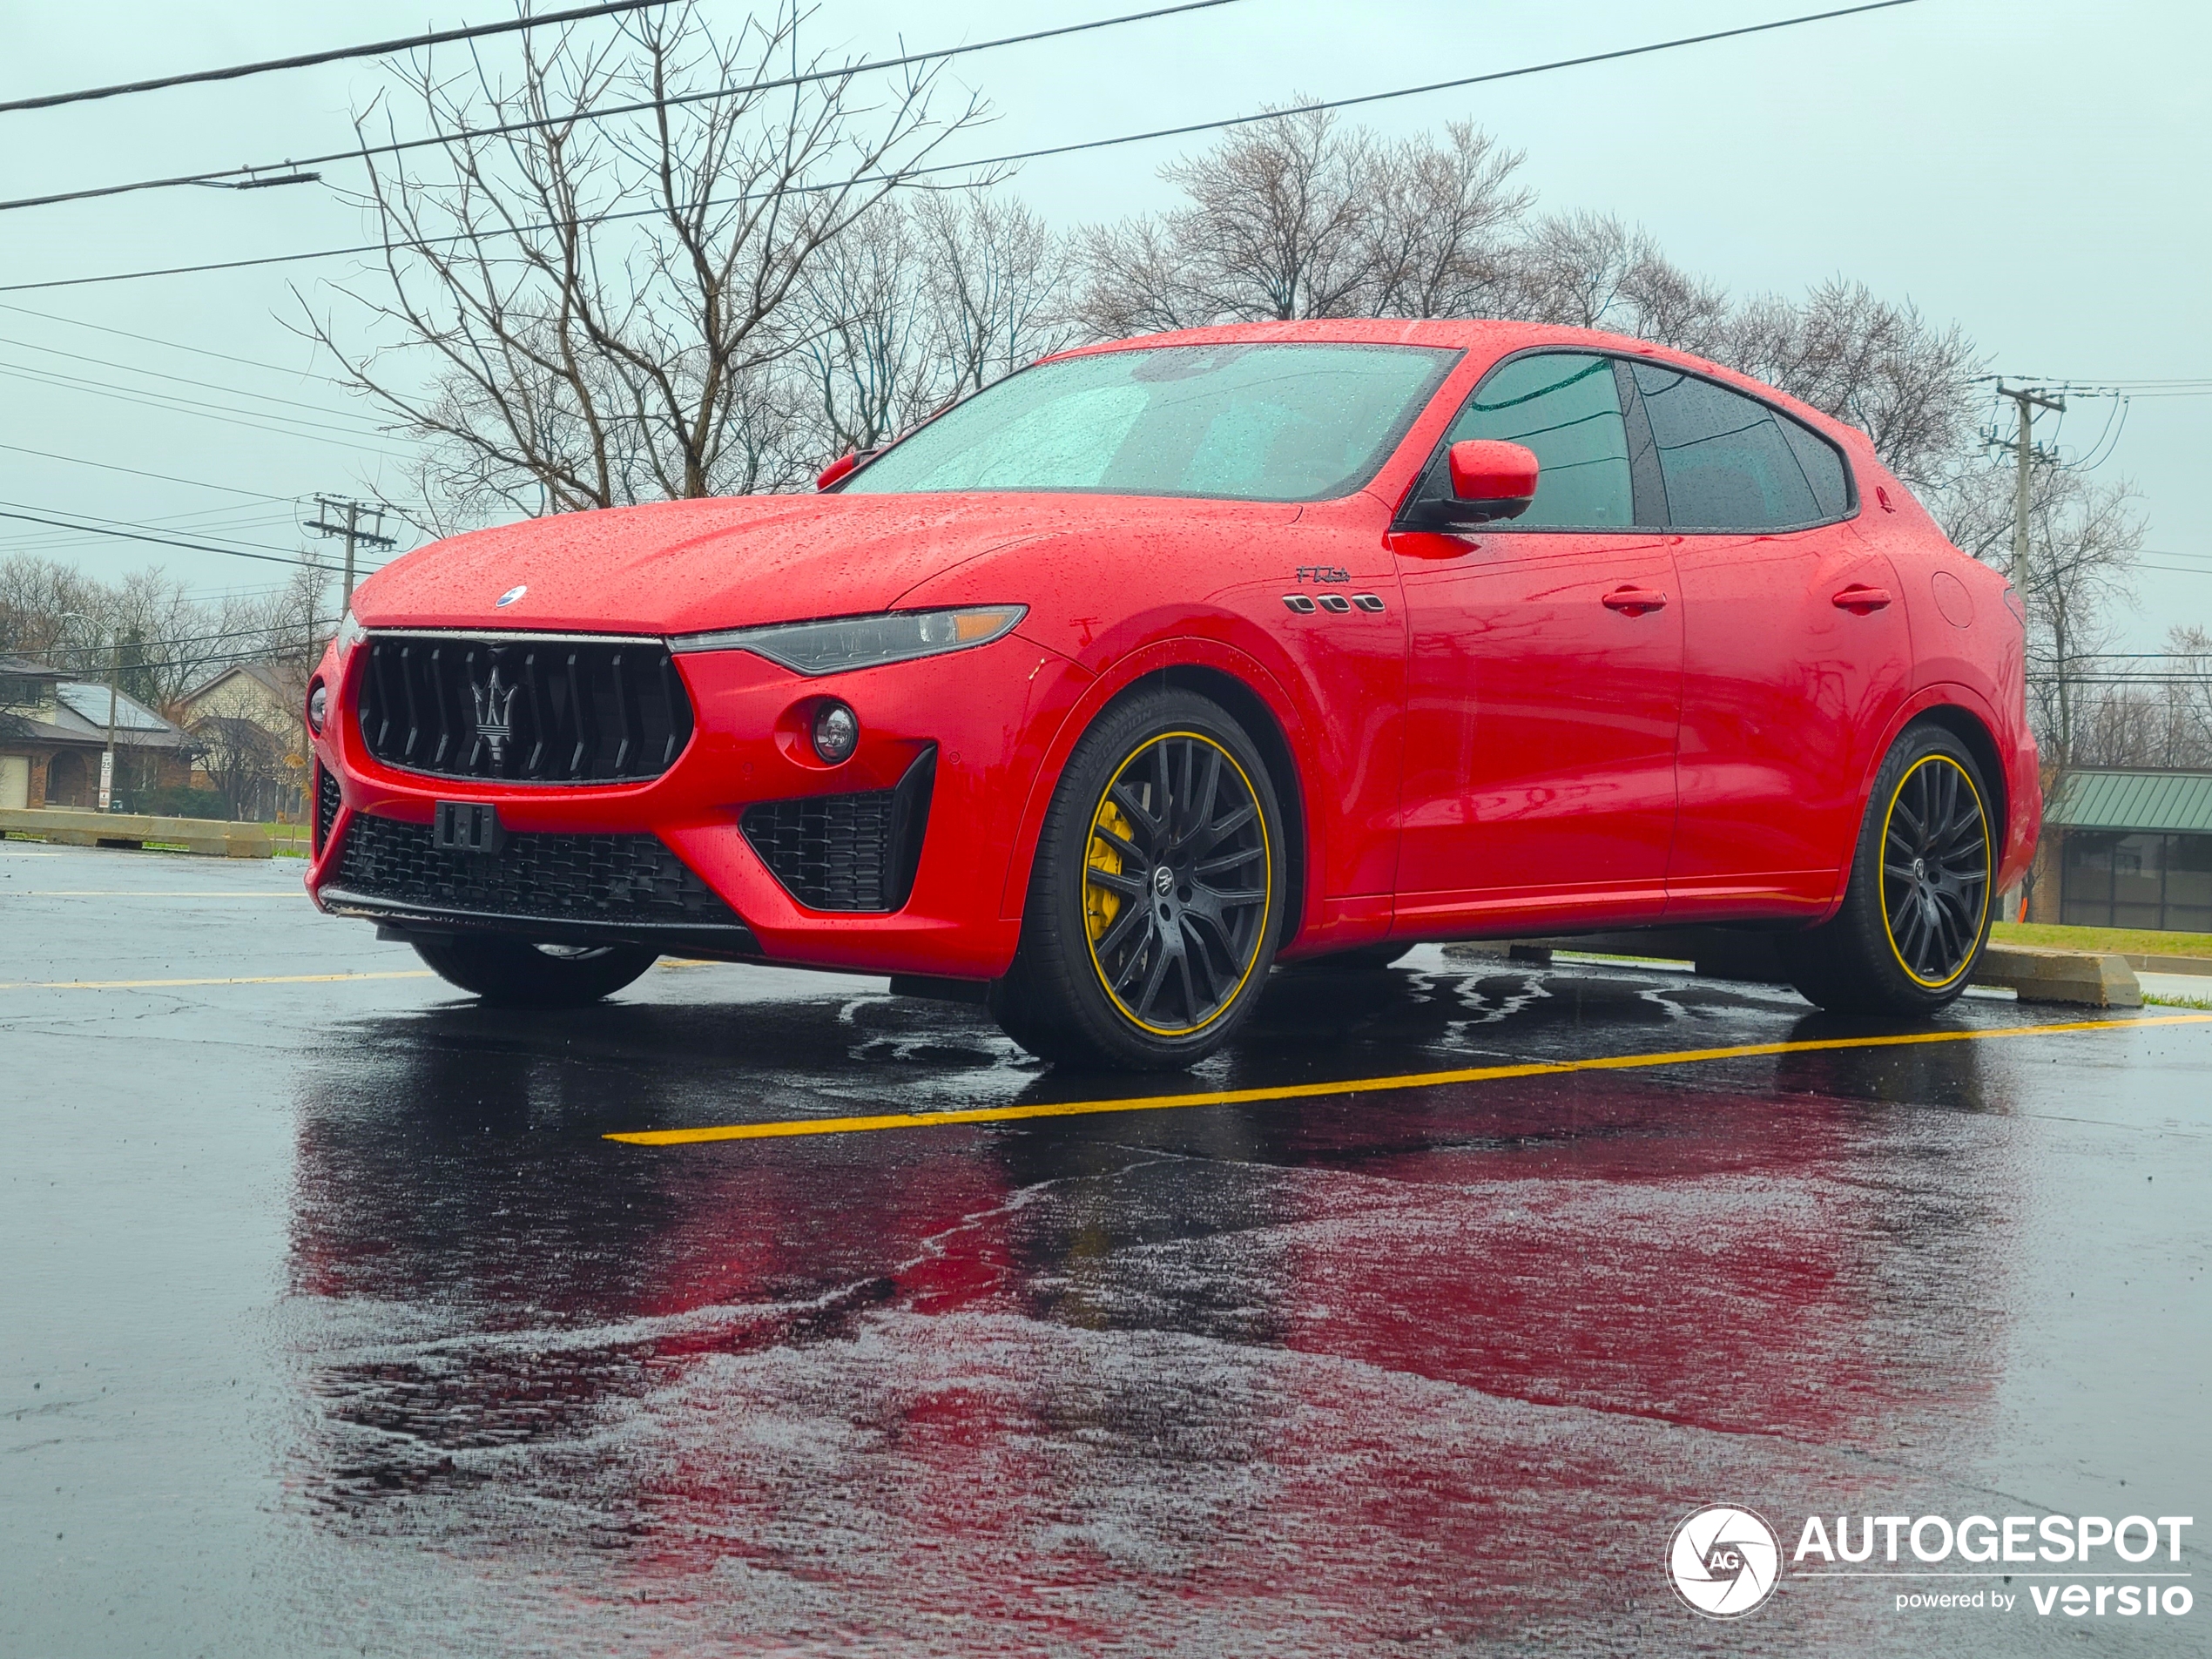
[(332, 1321)]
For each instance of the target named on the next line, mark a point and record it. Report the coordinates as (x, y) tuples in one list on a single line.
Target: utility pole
[(2027, 400), (362, 525)]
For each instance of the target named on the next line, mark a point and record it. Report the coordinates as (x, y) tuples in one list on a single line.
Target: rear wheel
[(1918, 911), (1157, 894), (513, 973)]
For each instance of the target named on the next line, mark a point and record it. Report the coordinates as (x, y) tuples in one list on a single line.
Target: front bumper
[(986, 716)]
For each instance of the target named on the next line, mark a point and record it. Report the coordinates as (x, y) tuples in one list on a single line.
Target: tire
[(1097, 982), (514, 974), (1916, 914), (1366, 959)]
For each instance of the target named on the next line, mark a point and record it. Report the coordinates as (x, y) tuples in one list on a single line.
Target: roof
[(25, 667), (90, 698), (2115, 799), (80, 715), (265, 675)]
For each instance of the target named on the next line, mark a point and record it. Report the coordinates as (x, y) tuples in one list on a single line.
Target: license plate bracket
[(467, 826)]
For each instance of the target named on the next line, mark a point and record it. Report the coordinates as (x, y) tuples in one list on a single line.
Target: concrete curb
[(209, 837)]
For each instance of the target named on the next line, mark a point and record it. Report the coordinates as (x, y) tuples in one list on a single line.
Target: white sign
[(107, 778)]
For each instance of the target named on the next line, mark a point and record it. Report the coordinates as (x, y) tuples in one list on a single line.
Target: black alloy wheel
[(1917, 912), (1176, 888), (1935, 870), (1157, 893)]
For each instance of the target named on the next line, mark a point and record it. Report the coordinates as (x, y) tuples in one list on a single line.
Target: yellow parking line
[(166, 984), (1354, 1086)]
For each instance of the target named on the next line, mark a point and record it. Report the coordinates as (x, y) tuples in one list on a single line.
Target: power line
[(995, 161), (230, 416), (139, 472), (184, 380), (120, 533), (309, 60), (152, 340), (779, 84)]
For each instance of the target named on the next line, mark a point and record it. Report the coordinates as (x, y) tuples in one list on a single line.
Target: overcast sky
[(2036, 170)]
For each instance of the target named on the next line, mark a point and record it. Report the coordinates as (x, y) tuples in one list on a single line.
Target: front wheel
[(1917, 912), (514, 974), (1158, 894)]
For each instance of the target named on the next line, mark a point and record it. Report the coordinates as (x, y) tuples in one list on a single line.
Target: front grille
[(627, 880), (855, 851), (327, 803), (524, 711)]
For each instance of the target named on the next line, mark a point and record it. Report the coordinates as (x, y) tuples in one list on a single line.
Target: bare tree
[(1437, 239), (1593, 271), (169, 642), (993, 282), (2083, 538), (868, 352), (1300, 216), (598, 275)]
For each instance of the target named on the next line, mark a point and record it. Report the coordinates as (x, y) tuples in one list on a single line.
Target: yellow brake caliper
[(1101, 903)]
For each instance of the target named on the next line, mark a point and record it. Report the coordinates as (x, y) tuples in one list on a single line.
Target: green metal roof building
[(2132, 849)]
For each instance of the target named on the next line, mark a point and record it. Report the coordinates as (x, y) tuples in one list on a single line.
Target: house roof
[(80, 715), (25, 667), (2116, 798), (265, 675)]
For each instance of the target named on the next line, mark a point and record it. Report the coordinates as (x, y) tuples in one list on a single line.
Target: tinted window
[(1265, 423), (1731, 463), (1564, 407), (1824, 467)]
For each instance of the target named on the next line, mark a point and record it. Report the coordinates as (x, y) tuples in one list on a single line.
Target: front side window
[(1564, 407), (1729, 462), (1270, 422)]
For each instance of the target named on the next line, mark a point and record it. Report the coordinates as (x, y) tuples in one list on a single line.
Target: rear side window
[(1563, 406), (1730, 462)]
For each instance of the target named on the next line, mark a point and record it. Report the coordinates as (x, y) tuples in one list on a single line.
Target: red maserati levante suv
[(1162, 662)]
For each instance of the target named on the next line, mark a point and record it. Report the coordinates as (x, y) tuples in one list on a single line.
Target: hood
[(687, 566)]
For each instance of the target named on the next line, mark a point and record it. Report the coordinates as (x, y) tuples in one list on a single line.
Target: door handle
[(1634, 601), (1861, 600)]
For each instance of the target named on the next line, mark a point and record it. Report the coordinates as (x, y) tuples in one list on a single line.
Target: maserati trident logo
[(511, 595), (494, 709)]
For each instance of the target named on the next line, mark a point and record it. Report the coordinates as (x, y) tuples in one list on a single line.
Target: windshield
[(1242, 423)]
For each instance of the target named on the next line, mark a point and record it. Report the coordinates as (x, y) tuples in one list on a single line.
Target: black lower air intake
[(850, 853)]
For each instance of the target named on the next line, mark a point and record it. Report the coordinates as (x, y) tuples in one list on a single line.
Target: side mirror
[(839, 468), (1491, 479)]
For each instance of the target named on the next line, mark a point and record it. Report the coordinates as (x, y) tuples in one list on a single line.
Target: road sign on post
[(107, 779)]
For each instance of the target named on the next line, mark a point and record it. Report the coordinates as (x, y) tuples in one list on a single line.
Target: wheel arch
[(1221, 681), (1963, 724), (1250, 711)]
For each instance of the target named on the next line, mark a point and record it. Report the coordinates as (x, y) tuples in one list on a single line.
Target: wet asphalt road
[(329, 1323)]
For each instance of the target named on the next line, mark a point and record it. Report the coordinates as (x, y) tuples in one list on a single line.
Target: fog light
[(836, 732), (317, 707)]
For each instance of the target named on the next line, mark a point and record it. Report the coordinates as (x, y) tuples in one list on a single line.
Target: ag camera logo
[(1724, 1562)]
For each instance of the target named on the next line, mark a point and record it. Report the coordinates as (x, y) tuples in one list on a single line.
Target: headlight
[(862, 642), (350, 634), (318, 707)]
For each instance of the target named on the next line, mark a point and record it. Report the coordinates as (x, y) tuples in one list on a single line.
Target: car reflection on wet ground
[(335, 1323)]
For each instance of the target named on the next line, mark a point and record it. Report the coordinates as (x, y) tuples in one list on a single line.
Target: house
[(54, 729), (2128, 847), (245, 723)]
